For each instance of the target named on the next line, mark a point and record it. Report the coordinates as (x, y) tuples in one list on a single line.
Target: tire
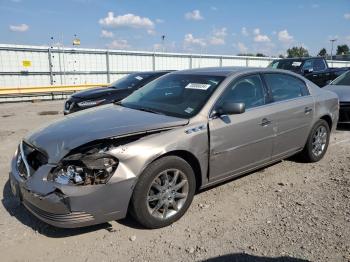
[(156, 198), (309, 152)]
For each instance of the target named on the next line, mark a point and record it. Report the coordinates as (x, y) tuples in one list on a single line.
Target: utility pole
[(332, 41)]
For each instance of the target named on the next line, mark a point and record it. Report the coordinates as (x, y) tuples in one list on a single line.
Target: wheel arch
[(329, 120), (191, 159)]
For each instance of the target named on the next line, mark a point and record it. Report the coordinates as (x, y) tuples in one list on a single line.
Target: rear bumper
[(74, 206)]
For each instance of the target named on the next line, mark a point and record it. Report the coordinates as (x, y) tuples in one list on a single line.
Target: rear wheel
[(317, 143), (163, 193)]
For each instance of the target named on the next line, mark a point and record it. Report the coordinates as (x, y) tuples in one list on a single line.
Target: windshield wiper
[(145, 109)]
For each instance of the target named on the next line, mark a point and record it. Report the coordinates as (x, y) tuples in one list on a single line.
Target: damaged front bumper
[(70, 206)]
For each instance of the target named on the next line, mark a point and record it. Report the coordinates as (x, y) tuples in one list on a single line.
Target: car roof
[(224, 71), (298, 58), (153, 72)]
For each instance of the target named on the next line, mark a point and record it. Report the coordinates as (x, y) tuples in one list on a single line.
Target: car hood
[(60, 137), (94, 93), (343, 92)]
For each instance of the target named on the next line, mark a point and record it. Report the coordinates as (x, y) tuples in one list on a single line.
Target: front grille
[(72, 217), (29, 159)]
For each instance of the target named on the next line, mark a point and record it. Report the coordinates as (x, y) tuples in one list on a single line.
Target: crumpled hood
[(343, 92), (60, 137), (97, 92)]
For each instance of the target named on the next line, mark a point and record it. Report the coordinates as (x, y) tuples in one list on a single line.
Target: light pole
[(163, 44), (332, 41)]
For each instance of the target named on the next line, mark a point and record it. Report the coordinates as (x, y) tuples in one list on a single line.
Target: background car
[(113, 93), (183, 132), (315, 69), (341, 86)]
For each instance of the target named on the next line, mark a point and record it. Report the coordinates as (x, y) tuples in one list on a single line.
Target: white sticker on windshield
[(189, 110), (296, 63), (197, 86), (139, 78)]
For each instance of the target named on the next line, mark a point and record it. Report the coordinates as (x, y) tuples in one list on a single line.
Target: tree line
[(296, 51)]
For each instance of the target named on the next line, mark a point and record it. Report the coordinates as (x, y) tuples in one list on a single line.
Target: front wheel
[(163, 192), (317, 142)]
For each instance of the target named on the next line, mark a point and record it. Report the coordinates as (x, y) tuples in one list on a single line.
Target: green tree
[(342, 49), (260, 55), (323, 52), (281, 56), (297, 52)]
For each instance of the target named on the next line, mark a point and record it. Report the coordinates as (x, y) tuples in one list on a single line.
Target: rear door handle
[(307, 110), (265, 122)]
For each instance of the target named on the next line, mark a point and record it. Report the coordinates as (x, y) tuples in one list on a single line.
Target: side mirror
[(308, 71), (230, 108)]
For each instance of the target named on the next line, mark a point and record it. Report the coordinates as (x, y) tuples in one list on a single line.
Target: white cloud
[(214, 8), (219, 36), (19, 28), (107, 34), (190, 40), (216, 41), (242, 48), (260, 38), (347, 16), (159, 21), (127, 20), (244, 31), (285, 37), (119, 44), (194, 15), (151, 32)]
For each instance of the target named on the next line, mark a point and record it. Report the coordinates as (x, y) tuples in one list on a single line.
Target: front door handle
[(307, 110), (265, 122)]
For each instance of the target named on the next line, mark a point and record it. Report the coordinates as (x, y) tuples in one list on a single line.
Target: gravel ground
[(290, 211)]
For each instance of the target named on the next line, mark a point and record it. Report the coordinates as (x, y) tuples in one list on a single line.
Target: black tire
[(139, 205), (307, 154)]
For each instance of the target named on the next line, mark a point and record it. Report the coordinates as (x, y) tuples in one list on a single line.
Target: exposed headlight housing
[(81, 169), (90, 103)]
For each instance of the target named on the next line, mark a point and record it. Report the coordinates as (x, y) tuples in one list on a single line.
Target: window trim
[(324, 63), (296, 77), (265, 90)]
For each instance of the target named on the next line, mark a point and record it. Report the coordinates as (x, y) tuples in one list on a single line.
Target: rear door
[(242, 141), (293, 108)]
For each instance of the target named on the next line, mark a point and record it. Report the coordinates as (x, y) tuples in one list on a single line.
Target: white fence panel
[(89, 66), (171, 62)]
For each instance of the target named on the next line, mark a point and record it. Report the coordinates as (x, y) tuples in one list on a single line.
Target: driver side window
[(248, 90)]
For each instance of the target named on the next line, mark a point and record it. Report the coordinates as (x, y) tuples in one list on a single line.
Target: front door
[(243, 141)]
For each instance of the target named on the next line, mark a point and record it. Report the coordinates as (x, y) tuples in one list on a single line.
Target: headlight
[(90, 103), (81, 169)]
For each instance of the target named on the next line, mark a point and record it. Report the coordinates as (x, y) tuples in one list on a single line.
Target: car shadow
[(343, 127), (240, 257), (17, 210)]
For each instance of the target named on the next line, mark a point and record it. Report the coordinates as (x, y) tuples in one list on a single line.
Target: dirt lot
[(288, 212)]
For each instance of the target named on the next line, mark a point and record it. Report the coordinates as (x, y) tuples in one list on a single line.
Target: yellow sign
[(27, 63), (76, 41)]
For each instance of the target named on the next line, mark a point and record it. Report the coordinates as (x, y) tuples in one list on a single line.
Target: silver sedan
[(341, 86), (183, 132)]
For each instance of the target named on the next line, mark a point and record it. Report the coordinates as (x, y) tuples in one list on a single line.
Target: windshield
[(342, 80), (292, 65), (131, 81), (178, 95)]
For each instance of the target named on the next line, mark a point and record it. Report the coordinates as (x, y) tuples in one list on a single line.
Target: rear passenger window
[(319, 65), (284, 87)]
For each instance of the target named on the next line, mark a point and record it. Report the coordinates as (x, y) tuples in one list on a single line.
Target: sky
[(191, 26)]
